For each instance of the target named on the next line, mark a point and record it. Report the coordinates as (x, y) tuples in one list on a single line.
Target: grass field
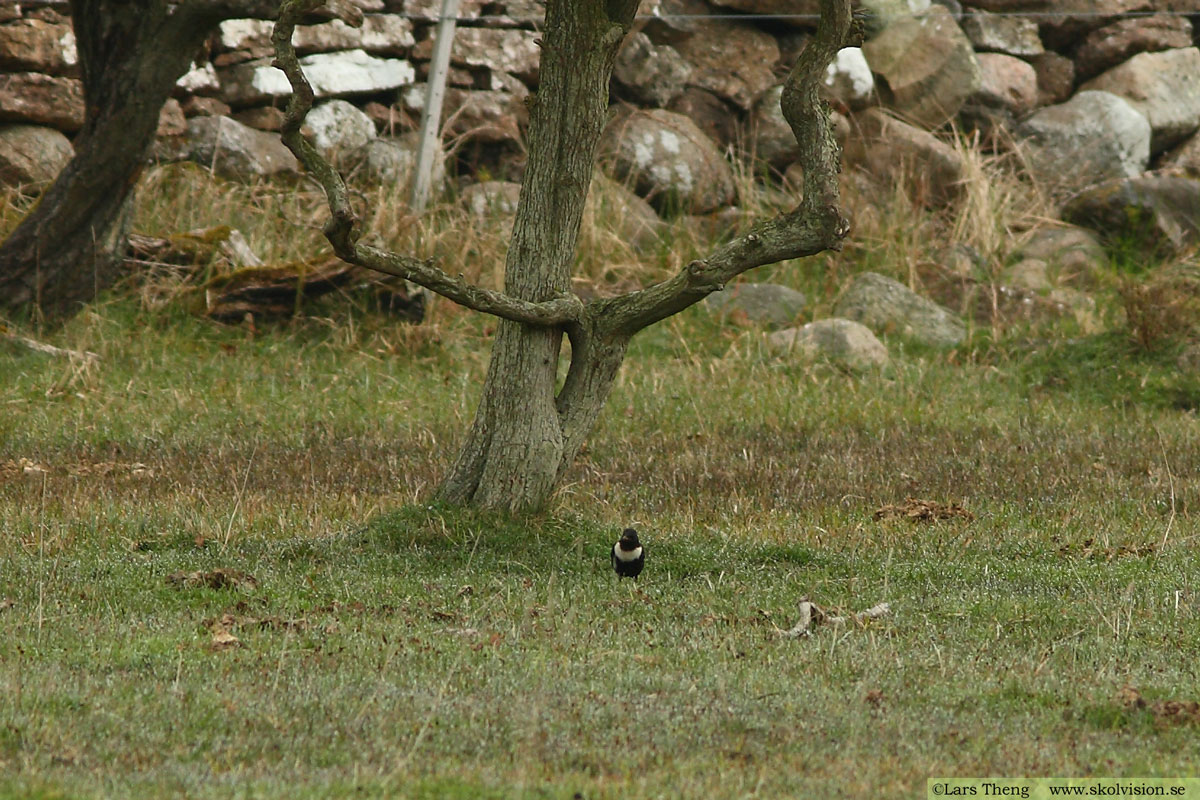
[(219, 576)]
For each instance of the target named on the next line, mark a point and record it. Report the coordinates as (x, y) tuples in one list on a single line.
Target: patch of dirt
[(1165, 712), (220, 578), (923, 511), (1088, 549), (24, 466), (271, 622)]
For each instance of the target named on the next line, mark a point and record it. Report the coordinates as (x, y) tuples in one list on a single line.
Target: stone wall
[(1092, 89)]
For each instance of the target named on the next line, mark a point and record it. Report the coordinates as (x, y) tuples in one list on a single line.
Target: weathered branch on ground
[(814, 226), (85, 356), (343, 228), (812, 616)]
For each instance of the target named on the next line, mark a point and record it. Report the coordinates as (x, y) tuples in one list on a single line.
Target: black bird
[(628, 557)]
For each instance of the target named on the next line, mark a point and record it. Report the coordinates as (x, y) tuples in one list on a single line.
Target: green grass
[(396, 649), (393, 649)]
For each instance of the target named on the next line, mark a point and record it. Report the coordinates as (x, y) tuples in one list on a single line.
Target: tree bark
[(524, 438), (518, 444)]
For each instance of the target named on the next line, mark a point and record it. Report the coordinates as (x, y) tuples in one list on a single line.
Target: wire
[(985, 15), (814, 17)]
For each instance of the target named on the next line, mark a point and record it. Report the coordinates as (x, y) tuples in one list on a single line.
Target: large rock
[(382, 34), (673, 21), (887, 306), (733, 61), (925, 67), (1164, 86), (1109, 46), (491, 198), (1008, 90), (431, 10), (1098, 134), (200, 80), (517, 13), (879, 15), (1006, 82), (764, 303), (1160, 211), (1186, 156), (32, 154), (1055, 77), (33, 45), (233, 150), (848, 79), (772, 137), (1074, 254), (331, 74), (612, 206), (1064, 24), (653, 74), (500, 49), (669, 161), (992, 33), (171, 119), (801, 13), (339, 128), (716, 118), (893, 150), (486, 116), (42, 100), (496, 112), (842, 342), (393, 162)]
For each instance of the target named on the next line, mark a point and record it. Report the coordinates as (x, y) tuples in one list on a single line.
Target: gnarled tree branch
[(342, 230), (812, 227)]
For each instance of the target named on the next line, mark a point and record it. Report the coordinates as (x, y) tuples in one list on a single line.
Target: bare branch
[(793, 235), (559, 311), (814, 226), (343, 228), (808, 115), (41, 347)]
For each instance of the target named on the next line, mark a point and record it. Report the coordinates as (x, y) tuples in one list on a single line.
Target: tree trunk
[(521, 439), (524, 437), (131, 53)]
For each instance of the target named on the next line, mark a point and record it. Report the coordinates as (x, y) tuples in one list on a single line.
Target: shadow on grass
[(458, 538)]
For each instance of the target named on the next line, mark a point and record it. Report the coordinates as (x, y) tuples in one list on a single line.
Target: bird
[(628, 556)]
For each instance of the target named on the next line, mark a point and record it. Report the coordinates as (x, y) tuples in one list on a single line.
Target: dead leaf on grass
[(229, 621), (223, 639), (222, 636), (119, 468), (1088, 549), (25, 466), (1167, 712), (22, 466), (916, 510), (220, 578)]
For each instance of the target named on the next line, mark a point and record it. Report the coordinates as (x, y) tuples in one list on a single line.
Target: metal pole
[(431, 115)]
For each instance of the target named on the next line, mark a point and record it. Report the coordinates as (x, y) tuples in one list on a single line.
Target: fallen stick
[(812, 615), (49, 349)]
